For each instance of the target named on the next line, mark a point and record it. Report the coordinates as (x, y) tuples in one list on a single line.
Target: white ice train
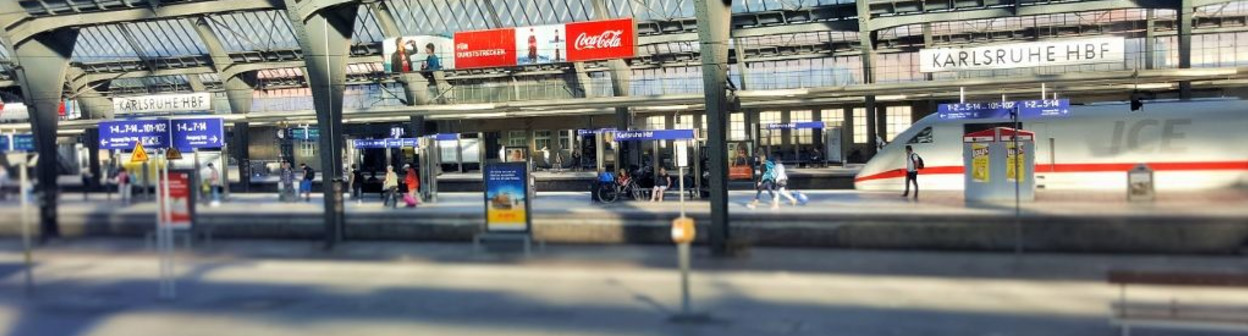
[(1190, 145)]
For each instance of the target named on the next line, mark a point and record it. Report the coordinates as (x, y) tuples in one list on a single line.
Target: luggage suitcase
[(409, 200)]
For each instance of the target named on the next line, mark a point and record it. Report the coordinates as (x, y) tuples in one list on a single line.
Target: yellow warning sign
[(139, 155), (173, 154)]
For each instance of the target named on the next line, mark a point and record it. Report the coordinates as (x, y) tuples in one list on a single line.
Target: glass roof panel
[(366, 28), (102, 44), (247, 31)]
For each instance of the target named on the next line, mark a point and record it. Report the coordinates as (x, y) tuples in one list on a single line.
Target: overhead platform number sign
[(1027, 109), (185, 134)]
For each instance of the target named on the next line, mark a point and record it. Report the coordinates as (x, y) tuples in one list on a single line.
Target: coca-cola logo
[(607, 39)]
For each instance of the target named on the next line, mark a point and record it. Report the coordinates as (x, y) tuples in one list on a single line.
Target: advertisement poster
[(485, 48), (598, 40), (179, 200), (417, 53), (506, 197), (541, 44), (979, 163), (1012, 161)]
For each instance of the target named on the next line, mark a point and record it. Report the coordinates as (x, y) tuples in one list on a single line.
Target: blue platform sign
[(386, 143), (798, 124), (584, 132), (17, 143), (1027, 109), (123, 134), (308, 134), (445, 136), (676, 134), (189, 134)]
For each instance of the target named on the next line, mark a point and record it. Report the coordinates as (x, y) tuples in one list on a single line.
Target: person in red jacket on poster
[(532, 46)]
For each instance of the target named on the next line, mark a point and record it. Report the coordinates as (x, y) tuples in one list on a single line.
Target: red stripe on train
[(1077, 168)]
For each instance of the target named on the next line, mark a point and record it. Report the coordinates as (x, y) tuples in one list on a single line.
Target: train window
[(924, 136)]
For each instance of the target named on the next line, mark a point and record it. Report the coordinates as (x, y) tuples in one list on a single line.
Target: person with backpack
[(782, 182), (765, 182), (914, 162), (357, 184)]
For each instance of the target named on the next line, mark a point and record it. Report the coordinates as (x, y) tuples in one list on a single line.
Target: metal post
[(962, 95), (26, 254), (225, 171), (685, 304), (1018, 177)]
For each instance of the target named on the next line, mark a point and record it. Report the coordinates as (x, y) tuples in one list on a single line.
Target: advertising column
[(506, 197)]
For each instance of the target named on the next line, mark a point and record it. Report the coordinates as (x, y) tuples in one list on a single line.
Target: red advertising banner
[(485, 48), (180, 200), (598, 40)]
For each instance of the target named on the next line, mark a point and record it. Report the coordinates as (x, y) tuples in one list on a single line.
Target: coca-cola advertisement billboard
[(541, 44), (599, 40), (572, 42), (485, 48)]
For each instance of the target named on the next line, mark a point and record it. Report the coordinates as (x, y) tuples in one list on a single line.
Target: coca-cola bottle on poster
[(557, 42)]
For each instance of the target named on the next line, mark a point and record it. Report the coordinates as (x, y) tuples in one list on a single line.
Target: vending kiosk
[(994, 170)]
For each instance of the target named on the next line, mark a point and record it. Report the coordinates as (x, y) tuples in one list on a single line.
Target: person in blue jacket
[(766, 181)]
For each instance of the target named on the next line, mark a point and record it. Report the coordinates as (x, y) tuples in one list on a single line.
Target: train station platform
[(1196, 222)]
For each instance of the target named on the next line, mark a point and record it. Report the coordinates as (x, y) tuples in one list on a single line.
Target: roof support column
[(714, 18), (42, 62), (325, 36), (578, 80), (1186, 9), (239, 87), (1150, 38), (620, 76), (866, 42)]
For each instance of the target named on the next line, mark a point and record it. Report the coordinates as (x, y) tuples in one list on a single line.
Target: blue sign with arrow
[(1027, 109), (386, 143), (198, 133), (123, 134), (307, 134)]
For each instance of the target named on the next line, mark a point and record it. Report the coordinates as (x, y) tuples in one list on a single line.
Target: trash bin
[(1140, 184)]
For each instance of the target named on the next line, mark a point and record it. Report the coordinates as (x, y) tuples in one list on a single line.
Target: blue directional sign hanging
[(386, 143), (445, 136), (584, 132), (306, 134), (198, 133), (17, 143), (676, 134), (123, 134), (798, 124), (1027, 109)]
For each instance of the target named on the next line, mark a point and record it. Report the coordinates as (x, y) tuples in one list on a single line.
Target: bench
[(1172, 315)]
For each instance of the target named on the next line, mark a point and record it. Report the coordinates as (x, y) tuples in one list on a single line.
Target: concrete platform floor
[(107, 287), (1222, 203)]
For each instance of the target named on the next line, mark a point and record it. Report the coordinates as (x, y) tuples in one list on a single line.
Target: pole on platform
[(1018, 177), (683, 251), (962, 95), (26, 254)]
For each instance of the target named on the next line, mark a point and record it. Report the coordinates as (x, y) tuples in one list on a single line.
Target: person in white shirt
[(912, 172), (782, 183), (213, 179)]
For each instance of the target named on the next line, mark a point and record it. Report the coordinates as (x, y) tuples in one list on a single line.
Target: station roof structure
[(137, 47)]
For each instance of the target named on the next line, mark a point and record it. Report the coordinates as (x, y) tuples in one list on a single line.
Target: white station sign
[(1025, 55), (181, 102)]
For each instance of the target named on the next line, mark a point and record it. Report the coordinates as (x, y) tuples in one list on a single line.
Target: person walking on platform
[(306, 185), (357, 184), (781, 185), (390, 186), (123, 185), (286, 192), (213, 179), (913, 163), (766, 181), (86, 181), (412, 180)]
